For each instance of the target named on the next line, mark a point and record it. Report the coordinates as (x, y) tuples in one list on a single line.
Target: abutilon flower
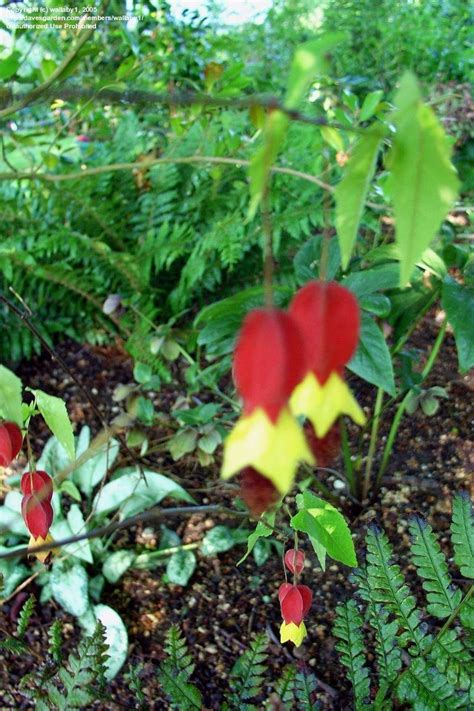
[(11, 440), (36, 509), (327, 315), (325, 449), (258, 492), (294, 561), (295, 601), (269, 362)]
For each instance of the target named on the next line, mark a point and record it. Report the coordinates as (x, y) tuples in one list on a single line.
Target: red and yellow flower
[(269, 363), (36, 509), (295, 601), (327, 315), (11, 440)]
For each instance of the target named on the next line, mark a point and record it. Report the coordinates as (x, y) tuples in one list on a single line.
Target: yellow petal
[(42, 555), (323, 404), (273, 449), (293, 633)]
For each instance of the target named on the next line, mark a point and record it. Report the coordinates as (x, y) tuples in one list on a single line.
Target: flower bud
[(294, 561)]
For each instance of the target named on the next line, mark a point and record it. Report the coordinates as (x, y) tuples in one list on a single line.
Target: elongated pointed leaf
[(352, 191), (458, 302), (10, 396), (372, 360), (424, 182), (56, 417)]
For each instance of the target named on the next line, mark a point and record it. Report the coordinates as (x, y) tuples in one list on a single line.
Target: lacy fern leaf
[(431, 566), (305, 688), (174, 673), (246, 677), (462, 534), (351, 646)]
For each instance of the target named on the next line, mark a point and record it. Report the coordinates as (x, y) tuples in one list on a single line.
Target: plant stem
[(268, 265), (373, 442), (346, 455), (401, 408)]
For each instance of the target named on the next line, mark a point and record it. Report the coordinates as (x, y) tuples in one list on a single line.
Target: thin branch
[(154, 514), (177, 98)]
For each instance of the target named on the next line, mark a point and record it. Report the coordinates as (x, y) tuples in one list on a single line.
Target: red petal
[(16, 438), (257, 491), (328, 317), (283, 590), (325, 449), (38, 516), (307, 597), (269, 360), (5, 447), (292, 606), (294, 560), (42, 484)]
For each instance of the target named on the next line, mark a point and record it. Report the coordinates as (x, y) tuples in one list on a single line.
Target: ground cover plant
[(248, 293)]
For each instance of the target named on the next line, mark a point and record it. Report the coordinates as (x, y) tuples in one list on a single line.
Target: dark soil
[(224, 605)]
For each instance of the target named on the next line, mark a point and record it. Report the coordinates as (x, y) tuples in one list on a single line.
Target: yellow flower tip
[(289, 632), (43, 556), (273, 449), (323, 404)]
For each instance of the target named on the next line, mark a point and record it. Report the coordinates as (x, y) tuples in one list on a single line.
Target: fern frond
[(389, 588), (426, 689), (347, 628), (135, 683), (455, 660), (246, 677), (174, 673), (55, 641), (13, 645), (305, 688), (431, 566), (25, 616), (462, 534), (285, 687)]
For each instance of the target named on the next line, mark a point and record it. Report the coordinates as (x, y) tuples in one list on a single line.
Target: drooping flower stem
[(373, 442), (268, 263)]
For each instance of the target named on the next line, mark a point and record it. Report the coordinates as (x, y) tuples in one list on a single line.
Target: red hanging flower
[(36, 509), (11, 440), (325, 449), (295, 602), (257, 491), (269, 362), (294, 561), (327, 315)]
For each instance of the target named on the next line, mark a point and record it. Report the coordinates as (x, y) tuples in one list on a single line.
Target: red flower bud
[(295, 601), (257, 491), (325, 449), (10, 442), (294, 561), (37, 482), (38, 515), (327, 315), (269, 361)]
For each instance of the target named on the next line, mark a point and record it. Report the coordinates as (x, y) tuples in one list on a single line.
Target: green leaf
[(69, 588), (56, 417), (351, 192), (332, 137), (180, 567), (182, 443), (372, 361), (142, 373), (261, 529), (370, 104), (323, 522), (209, 442), (116, 638), (81, 549), (92, 471), (133, 493), (423, 181), (462, 534), (10, 396), (320, 551), (307, 260), (458, 302), (116, 564), (368, 281), (218, 540), (68, 487), (9, 66)]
